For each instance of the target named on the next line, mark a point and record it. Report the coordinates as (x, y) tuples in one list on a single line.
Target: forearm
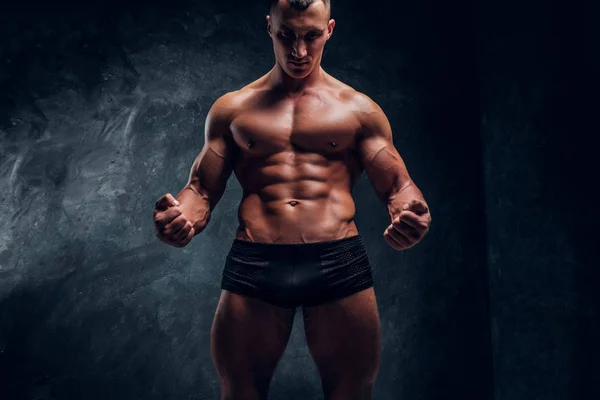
[(195, 205), (400, 196)]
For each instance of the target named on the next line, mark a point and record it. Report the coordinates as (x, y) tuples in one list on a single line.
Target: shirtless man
[(297, 140)]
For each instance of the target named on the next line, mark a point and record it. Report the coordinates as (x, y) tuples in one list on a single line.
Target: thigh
[(248, 337), (344, 338)]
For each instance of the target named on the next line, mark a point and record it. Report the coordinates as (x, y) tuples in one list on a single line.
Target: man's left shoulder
[(370, 116), (359, 101)]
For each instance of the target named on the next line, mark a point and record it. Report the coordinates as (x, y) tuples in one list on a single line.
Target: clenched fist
[(408, 228), (171, 226)]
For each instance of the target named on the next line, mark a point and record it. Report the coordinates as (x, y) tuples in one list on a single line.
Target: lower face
[(297, 70)]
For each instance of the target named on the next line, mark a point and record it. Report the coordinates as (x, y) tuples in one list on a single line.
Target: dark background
[(102, 109)]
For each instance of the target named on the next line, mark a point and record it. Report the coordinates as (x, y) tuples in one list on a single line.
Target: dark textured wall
[(102, 110), (538, 77)]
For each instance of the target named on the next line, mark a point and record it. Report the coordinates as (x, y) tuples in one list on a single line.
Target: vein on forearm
[(402, 195)]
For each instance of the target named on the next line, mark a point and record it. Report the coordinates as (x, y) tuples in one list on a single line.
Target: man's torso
[(296, 160)]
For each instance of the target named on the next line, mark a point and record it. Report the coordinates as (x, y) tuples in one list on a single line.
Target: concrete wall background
[(102, 110)]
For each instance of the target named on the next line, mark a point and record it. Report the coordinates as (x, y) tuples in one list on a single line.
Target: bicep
[(379, 157), (213, 166)]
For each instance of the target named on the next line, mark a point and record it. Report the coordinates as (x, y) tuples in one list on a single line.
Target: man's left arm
[(408, 210)]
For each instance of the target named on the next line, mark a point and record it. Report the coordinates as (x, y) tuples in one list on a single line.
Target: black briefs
[(290, 275)]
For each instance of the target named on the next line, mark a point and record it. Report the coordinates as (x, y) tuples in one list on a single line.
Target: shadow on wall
[(95, 48), (59, 342), (79, 318)]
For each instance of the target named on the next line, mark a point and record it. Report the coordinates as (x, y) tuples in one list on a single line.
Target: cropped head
[(299, 29)]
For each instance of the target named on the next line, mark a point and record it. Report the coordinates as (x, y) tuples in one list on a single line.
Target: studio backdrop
[(102, 111)]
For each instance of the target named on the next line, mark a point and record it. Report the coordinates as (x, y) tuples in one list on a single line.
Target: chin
[(298, 74)]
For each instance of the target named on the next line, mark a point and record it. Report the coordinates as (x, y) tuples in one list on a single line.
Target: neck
[(281, 80)]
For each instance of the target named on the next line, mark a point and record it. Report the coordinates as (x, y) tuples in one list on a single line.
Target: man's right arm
[(212, 168)]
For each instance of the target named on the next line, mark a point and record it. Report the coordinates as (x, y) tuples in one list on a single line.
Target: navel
[(293, 203)]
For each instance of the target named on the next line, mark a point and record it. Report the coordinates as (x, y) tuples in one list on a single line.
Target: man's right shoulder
[(224, 105), (232, 102)]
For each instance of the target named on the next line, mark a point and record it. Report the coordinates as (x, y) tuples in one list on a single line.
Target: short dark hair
[(301, 4)]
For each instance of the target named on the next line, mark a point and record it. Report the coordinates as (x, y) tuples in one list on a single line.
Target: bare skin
[(297, 140)]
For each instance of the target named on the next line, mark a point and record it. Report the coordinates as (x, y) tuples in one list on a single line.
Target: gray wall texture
[(102, 110)]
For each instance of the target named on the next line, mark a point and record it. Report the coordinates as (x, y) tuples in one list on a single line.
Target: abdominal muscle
[(285, 204)]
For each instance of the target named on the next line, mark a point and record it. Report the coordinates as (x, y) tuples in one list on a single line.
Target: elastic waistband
[(297, 246)]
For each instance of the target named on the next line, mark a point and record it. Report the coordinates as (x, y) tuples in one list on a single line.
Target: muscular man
[(297, 140)]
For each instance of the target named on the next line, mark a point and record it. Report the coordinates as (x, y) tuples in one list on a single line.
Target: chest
[(311, 123)]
